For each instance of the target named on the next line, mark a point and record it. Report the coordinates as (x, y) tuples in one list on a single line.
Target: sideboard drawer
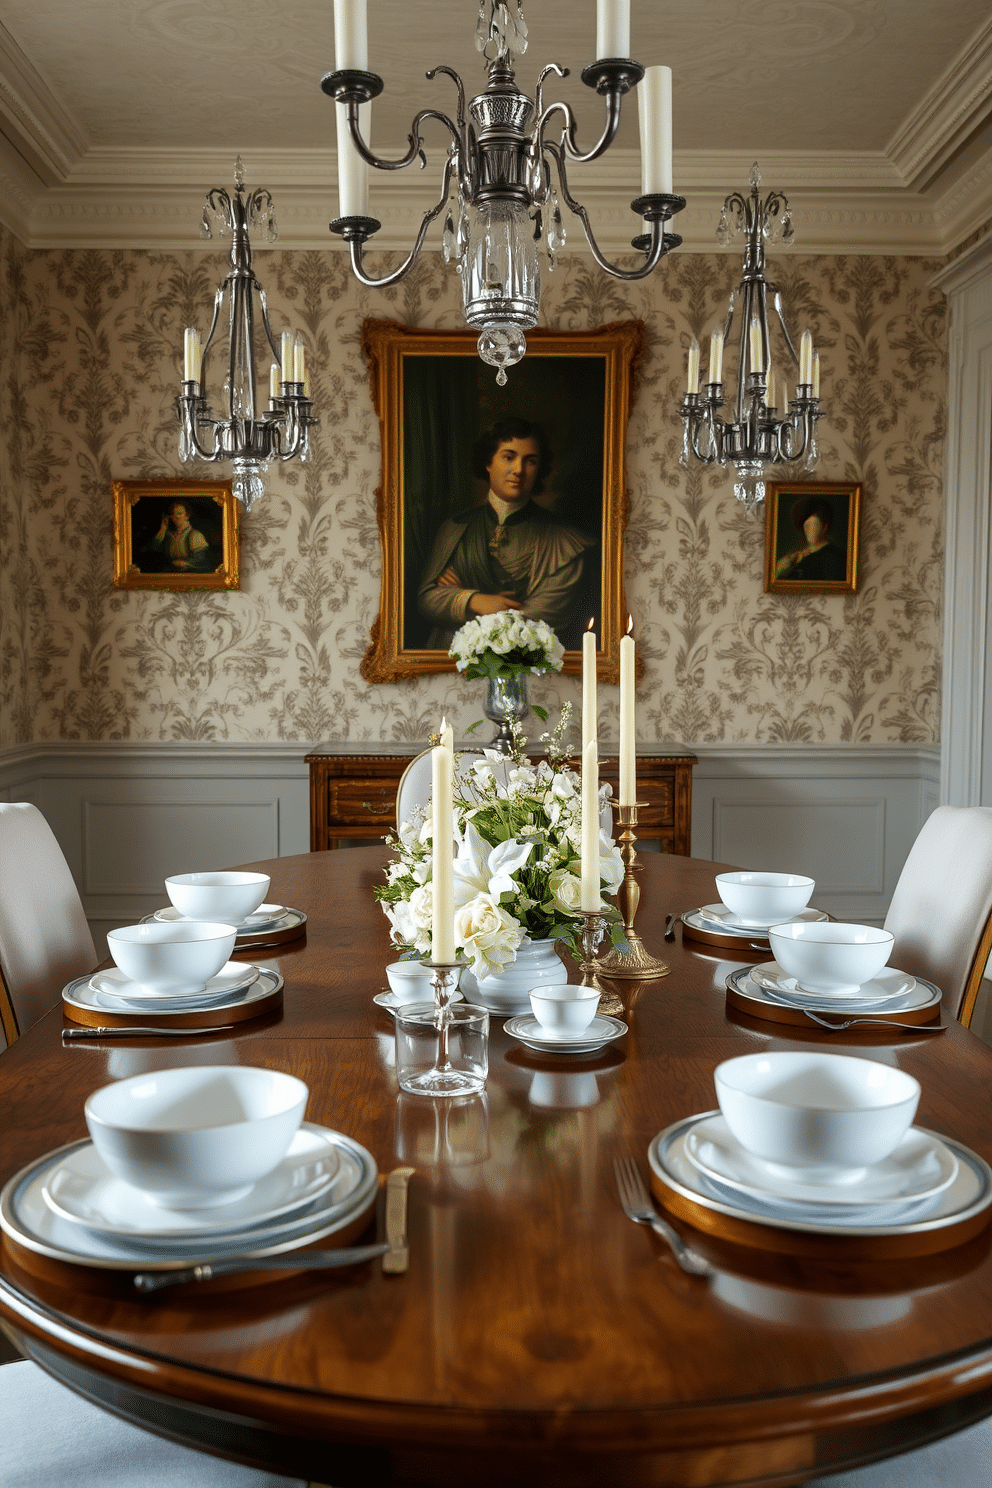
[(369, 803)]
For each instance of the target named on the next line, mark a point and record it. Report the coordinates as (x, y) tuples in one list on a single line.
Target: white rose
[(611, 869), (566, 890), (562, 787), (422, 906), (402, 921), (426, 832), (408, 833), (421, 871), (488, 934)]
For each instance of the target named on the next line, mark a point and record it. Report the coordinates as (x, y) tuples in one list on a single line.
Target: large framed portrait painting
[(500, 497)]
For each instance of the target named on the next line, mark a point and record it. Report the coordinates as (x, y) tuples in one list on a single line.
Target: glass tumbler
[(442, 1051)]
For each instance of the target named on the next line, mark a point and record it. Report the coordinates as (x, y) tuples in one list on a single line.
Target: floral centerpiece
[(517, 869), (506, 648)]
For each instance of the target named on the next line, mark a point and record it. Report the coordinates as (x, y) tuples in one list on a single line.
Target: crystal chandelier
[(248, 437), (505, 174), (767, 428)]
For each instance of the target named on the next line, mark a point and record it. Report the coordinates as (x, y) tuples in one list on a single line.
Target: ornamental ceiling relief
[(90, 347)]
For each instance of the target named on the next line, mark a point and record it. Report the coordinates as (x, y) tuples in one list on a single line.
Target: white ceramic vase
[(507, 992)]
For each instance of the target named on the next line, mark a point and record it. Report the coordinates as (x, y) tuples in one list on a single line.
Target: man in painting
[(510, 554), (819, 560), (184, 549)]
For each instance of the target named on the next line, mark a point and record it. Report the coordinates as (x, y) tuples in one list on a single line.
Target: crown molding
[(46, 136), (947, 116)]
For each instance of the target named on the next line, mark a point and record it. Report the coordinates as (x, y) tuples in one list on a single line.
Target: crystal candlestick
[(635, 963), (593, 929), (457, 1070)]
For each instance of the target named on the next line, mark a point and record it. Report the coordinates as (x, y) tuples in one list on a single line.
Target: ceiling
[(116, 115)]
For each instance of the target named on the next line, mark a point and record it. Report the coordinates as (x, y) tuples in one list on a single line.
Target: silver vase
[(506, 700)]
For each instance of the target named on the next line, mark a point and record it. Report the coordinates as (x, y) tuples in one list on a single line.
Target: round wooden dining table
[(538, 1337)]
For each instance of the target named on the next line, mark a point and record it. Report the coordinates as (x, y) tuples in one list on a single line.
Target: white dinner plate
[(923, 995), (231, 978), (28, 1219), (602, 1030), (82, 1189), (920, 1167), (969, 1194), (388, 1001), (719, 917), (888, 984), (80, 994), (265, 917)]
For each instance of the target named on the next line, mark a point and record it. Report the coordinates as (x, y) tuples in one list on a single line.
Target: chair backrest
[(941, 911), (44, 938)]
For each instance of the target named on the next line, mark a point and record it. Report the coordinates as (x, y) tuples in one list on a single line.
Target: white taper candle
[(628, 736), (447, 736), (442, 859), (274, 389), (287, 356), (589, 698), (612, 28), (351, 36), (299, 360), (816, 374), (590, 896), (192, 353), (654, 113), (806, 358), (757, 355), (715, 370)]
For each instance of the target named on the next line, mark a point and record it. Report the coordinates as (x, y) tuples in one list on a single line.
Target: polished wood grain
[(538, 1335)]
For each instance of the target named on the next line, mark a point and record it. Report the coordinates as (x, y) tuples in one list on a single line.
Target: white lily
[(481, 869)]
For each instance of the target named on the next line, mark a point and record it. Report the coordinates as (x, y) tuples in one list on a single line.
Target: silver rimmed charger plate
[(83, 1004), (289, 925), (696, 926), (28, 1221), (958, 1213), (921, 1005), (601, 1031)]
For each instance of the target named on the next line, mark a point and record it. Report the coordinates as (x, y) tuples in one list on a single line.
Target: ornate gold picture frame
[(438, 405), (175, 534), (812, 529)]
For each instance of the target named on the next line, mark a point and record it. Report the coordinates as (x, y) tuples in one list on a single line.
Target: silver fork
[(881, 1023), (637, 1206)]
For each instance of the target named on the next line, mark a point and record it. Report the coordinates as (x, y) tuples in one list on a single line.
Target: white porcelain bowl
[(196, 1138), (830, 958), (764, 898), (828, 1116), (230, 897), (564, 1011), (410, 981), (172, 958)]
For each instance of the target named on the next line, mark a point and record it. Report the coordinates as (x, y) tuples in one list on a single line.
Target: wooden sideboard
[(353, 797)]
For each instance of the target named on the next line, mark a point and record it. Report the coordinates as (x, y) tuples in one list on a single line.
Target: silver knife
[(308, 1260), (397, 1256), (104, 1033)]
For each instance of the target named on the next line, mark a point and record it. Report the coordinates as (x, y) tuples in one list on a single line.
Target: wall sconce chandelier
[(767, 428), (505, 174), (247, 436)]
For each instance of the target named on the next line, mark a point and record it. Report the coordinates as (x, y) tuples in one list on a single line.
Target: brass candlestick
[(634, 964), (593, 929)]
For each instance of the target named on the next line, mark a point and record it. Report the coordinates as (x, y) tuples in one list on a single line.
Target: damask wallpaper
[(90, 366)]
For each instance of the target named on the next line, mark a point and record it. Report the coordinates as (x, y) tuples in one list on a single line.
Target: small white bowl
[(564, 1011), (172, 958), (825, 1117), (196, 1138), (410, 981), (830, 958), (764, 898), (230, 897)]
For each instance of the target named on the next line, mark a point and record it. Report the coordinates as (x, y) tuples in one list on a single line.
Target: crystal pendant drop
[(749, 487), (501, 281), (812, 451), (448, 240), (248, 483), (724, 232)]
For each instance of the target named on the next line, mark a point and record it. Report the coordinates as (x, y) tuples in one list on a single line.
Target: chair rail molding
[(966, 722)]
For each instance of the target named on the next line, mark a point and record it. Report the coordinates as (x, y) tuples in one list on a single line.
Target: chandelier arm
[(657, 245), (416, 150), (613, 97), (356, 243), (195, 415), (561, 72), (461, 114), (276, 350)]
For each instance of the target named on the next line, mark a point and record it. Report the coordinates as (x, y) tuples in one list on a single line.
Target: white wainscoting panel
[(126, 815)]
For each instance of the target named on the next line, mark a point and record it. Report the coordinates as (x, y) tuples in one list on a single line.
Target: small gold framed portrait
[(175, 534), (812, 530)]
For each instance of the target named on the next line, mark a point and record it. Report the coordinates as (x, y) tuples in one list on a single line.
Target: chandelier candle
[(654, 112), (191, 355), (442, 861), (692, 378), (612, 29), (714, 372), (589, 698), (806, 359), (351, 34), (590, 893)]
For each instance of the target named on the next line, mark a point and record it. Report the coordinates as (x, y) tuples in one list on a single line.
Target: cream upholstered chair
[(963, 1460), (941, 911), (45, 942), (44, 938)]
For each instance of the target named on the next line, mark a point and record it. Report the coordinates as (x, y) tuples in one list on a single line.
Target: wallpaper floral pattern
[(89, 351)]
